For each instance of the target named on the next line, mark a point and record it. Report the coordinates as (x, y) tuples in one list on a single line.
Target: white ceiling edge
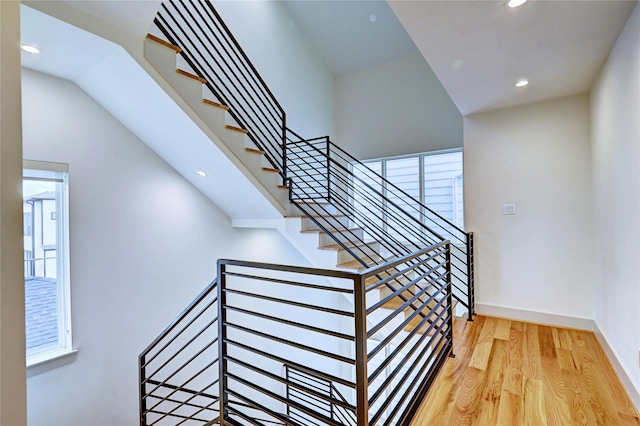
[(120, 85)]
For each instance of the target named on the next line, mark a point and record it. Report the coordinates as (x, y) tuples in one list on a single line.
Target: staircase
[(404, 278)]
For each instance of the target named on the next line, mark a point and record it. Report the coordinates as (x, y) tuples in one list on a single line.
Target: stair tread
[(270, 169), (319, 231), (354, 264), (283, 187), (254, 151), (215, 104), (164, 43), (236, 129), (191, 75)]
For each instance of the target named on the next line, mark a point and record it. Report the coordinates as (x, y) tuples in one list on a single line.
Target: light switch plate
[(508, 209)]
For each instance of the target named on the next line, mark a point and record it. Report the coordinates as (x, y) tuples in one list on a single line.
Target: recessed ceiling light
[(29, 48), (201, 172), (373, 18), (515, 3), (522, 83)]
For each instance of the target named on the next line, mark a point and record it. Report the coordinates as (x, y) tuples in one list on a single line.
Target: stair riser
[(371, 249), (325, 239), (331, 223), (161, 57), (314, 208)]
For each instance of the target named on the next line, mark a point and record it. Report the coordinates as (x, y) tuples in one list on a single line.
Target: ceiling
[(477, 49), (351, 35), (480, 49)]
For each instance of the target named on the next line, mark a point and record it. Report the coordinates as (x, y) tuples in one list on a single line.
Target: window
[(46, 261), (434, 178)]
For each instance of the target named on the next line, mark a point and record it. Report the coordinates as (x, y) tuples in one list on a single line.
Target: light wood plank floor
[(514, 373)]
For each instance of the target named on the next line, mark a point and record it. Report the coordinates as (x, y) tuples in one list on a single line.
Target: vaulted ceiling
[(478, 49)]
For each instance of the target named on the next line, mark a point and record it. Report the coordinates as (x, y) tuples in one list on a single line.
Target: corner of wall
[(624, 377)]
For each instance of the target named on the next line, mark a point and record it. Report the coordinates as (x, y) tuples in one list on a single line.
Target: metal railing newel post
[(284, 149), (362, 380), (470, 273), (328, 169), (449, 284), (143, 400), (222, 341)]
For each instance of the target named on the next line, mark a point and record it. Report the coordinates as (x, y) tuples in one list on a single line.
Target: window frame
[(59, 172), (421, 178)]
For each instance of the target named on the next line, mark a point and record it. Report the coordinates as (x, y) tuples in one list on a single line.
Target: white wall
[(288, 62), (615, 109), (143, 242), (12, 337), (397, 107), (539, 260)]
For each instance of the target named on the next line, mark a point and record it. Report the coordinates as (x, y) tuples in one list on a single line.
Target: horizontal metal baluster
[(186, 402), (273, 396), (290, 302), (290, 343), (291, 323), (183, 366), (440, 356), (424, 338), (287, 282)]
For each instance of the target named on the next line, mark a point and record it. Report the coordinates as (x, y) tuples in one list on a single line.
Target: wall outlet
[(508, 209)]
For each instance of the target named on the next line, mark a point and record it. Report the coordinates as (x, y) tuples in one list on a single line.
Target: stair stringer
[(189, 94)]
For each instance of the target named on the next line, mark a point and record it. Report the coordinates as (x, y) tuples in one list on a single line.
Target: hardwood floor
[(515, 373)]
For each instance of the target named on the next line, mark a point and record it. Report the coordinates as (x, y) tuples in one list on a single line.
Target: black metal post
[(286, 370), (328, 170), (362, 381), (222, 341), (143, 400), (470, 277), (449, 282), (284, 150)]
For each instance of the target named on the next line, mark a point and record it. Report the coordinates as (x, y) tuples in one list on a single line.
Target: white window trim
[(65, 346)]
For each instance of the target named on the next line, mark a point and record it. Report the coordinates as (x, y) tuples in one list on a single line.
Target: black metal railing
[(232, 353), (326, 181), (179, 369), (212, 52), (379, 361)]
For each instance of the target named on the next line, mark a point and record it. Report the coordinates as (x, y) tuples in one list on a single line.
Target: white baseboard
[(534, 316), (634, 394)]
